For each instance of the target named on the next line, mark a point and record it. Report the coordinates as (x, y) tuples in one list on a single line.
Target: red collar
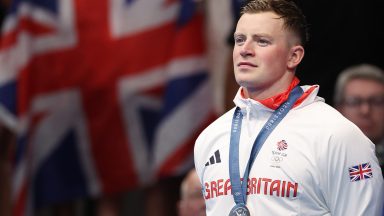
[(275, 101)]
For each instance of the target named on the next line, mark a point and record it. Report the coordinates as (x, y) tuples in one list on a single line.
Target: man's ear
[(295, 56)]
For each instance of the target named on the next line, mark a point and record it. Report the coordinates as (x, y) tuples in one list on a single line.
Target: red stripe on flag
[(97, 63), (169, 2), (189, 39), (109, 143), (24, 25), (19, 207)]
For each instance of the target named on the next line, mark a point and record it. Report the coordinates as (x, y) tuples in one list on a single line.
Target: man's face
[(363, 104), (192, 202), (261, 53)]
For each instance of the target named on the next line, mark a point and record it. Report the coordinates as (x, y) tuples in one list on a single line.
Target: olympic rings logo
[(276, 159)]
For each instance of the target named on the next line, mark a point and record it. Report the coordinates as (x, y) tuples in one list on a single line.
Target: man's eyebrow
[(261, 35), (237, 34), (253, 35)]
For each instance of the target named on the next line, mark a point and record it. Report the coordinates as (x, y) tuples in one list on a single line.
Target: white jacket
[(305, 167)]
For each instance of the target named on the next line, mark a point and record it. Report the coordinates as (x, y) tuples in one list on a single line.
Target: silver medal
[(239, 210)]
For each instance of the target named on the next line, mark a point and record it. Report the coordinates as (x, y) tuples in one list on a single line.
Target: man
[(282, 150), (359, 96), (192, 202)]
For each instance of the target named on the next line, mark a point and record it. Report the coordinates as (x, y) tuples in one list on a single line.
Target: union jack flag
[(104, 95), (360, 172)]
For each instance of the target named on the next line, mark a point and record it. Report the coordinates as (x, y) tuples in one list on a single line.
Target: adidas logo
[(214, 159)]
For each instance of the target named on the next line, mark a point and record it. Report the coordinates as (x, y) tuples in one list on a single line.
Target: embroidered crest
[(282, 145)]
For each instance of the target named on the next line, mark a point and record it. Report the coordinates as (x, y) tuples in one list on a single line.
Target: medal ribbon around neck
[(239, 188)]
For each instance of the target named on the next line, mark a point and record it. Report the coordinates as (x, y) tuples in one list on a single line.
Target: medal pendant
[(239, 210)]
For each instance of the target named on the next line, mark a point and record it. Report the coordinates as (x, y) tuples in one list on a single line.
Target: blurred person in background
[(191, 199), (359, 96)]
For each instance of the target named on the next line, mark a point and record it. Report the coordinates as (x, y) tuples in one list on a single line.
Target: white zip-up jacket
[(315, 162)]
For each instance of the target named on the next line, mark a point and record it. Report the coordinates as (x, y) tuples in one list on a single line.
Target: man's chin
[(246, 83)]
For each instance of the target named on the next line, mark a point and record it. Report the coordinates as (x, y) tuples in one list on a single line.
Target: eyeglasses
[(355, 102)]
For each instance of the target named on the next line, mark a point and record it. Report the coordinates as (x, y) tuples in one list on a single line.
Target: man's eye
[(239, 40), (263, 42), (353, 102), (377, 101)]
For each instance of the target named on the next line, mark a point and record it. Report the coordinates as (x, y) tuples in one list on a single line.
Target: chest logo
[(282, 145), (279, 154)]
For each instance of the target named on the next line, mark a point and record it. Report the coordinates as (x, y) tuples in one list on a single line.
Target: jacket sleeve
[(197, 157), (353, 179)]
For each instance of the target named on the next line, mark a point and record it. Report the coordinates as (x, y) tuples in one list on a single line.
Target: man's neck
[(264, 92), (272, 100)]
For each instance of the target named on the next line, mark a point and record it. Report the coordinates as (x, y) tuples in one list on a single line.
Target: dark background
[(342, 33)]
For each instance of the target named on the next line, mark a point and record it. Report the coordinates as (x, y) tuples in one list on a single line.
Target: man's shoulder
[(218, 128), (320, 110), (221, 123), (326, 119), (209, 141)]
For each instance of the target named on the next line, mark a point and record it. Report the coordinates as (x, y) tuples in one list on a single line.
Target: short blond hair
[(294, 19)]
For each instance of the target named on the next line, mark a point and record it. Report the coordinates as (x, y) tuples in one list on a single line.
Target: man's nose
[(365, 108), (247, 49)]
